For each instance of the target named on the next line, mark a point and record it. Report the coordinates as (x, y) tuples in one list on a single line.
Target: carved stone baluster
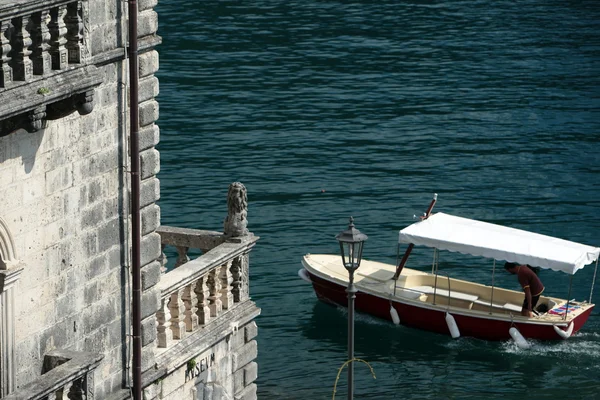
[(182, 255), (78, 390), (202, 293), (190, 299), (23, 70), (236, 275), (89, 385), (58, 30), (163, 258), (5, 48), (40, 36), (177, 309), (65, 391), (52, 396), (214, 286), (163, 318), (226, 280), (245, 279), (74, 23)]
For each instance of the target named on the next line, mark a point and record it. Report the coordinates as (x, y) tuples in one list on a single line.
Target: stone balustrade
[(70, 375), (43, 62), (197, 292)]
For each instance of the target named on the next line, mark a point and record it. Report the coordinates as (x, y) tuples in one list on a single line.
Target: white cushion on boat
[(443, 292)]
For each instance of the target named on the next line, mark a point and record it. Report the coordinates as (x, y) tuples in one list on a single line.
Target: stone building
[(65, 234)]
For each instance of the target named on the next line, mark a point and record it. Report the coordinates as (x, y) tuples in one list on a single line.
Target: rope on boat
[(593, 281), (342, 367), (492, 297)]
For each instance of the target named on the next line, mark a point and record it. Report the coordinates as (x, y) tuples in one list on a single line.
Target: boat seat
[(513, 307), (376, 275), (443, 292), (487, 303)]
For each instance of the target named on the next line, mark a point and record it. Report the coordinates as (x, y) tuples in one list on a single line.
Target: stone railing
[(198, 291), (43, 62), (70, 375)]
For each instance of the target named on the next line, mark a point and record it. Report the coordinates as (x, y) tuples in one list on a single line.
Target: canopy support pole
[(593, 281), (569, 297), (437, 265), (411, 245), (492, 297)]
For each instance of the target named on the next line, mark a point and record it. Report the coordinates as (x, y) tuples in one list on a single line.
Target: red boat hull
[(434, 320)]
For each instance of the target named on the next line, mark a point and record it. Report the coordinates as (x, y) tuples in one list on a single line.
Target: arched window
[(9, 275)]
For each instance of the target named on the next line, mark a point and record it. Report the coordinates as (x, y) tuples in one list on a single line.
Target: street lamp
[(351, 245)]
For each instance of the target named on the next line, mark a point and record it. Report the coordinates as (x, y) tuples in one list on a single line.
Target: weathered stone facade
[(64, 221)]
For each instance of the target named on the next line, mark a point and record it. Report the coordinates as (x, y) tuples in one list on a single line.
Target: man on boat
[(530, 283)]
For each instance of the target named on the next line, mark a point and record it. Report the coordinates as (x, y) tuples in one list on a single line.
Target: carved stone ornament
[(237, 204)]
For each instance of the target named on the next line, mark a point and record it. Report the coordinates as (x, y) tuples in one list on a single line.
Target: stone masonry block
[(148, 358), (96, 267), (149, 191), (150, 218), (150, 275), (148, 63), (245, 376), (148, 88), (109, 235), (150, 248), (251, 331), (149, 163), (147, 23), (92, 216), (97, 12), (250, 373), (148, 112), (238, 381), (148, 330), (146, 4), (244, 355), (150, 303), (59, 179), (249, 393), (97, 39), (150, 392), (149, 137), (238, 339)]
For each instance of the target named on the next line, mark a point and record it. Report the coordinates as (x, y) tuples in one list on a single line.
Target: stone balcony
[(68, 375), (45, 70), (205, 298)]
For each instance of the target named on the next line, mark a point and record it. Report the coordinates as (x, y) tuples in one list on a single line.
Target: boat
[(435, 302)]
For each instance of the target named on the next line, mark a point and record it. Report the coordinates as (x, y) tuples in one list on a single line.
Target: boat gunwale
[(455, 310)]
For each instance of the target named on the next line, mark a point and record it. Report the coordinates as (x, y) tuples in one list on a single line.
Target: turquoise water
[(326, 109)]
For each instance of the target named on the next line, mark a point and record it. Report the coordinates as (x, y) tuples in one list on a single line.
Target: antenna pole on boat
[(569, 297), (593, 281), (411, 245)]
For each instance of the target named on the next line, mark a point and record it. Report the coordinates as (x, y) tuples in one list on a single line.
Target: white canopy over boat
[(477, 238)]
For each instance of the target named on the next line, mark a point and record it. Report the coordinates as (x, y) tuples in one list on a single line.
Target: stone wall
[(66, 209), (225, 370)]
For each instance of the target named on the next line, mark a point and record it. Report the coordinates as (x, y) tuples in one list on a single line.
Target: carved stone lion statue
[(237, 206)]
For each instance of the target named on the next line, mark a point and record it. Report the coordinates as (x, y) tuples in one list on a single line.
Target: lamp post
[(351, 245)]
